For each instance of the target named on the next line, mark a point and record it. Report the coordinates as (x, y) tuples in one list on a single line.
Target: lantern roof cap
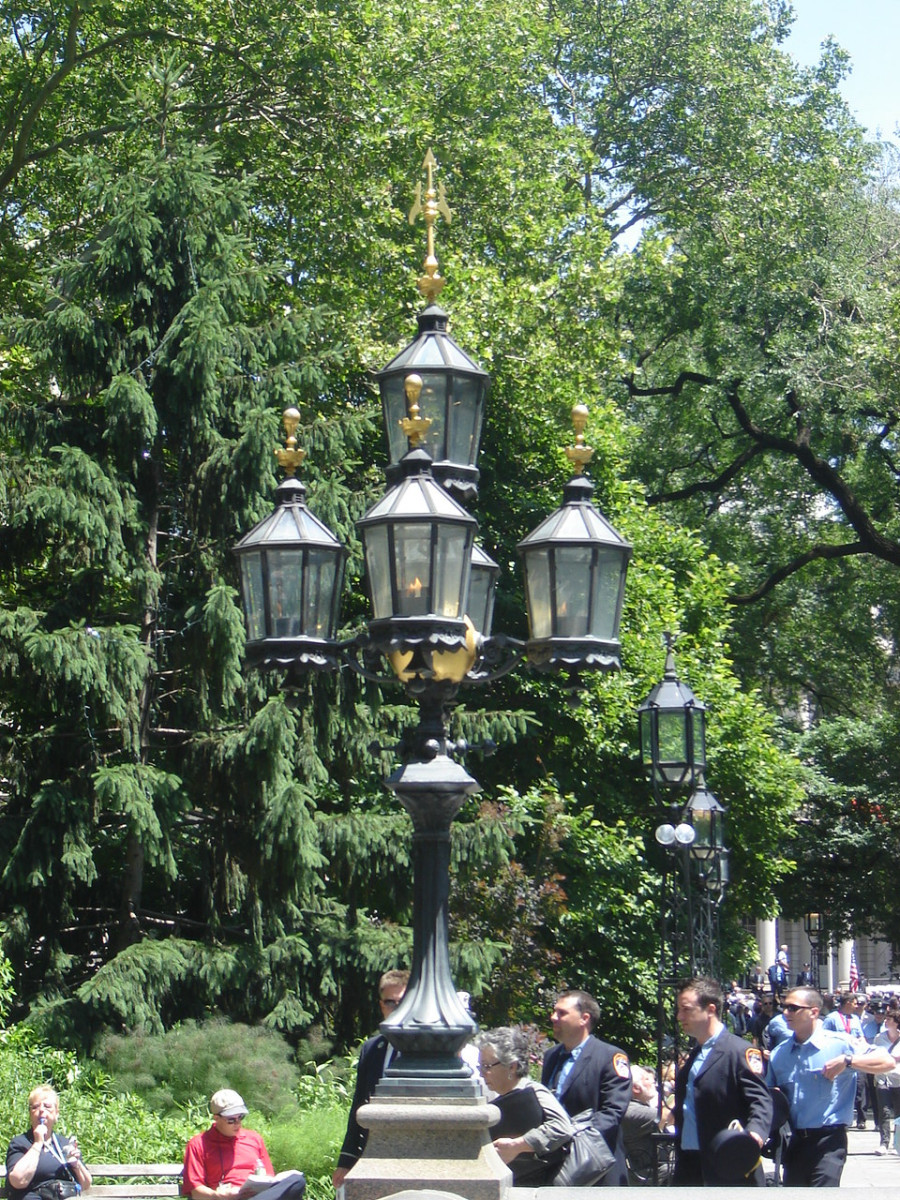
[(481, 558), (671, 692), (433, 349), (702, 800), (416, 495), (289, 523), (576, 520)]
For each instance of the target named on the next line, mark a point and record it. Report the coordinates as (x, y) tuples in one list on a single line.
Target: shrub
[(195, 1059)]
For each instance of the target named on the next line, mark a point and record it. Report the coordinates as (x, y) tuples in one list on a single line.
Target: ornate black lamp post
[(672, 730), (431, 590)]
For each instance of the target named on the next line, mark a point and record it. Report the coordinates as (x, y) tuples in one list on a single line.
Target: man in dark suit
[(586, 1073), (720, 1083), (374, 1059)]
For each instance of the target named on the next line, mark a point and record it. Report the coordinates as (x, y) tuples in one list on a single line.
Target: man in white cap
[(219, 1162)]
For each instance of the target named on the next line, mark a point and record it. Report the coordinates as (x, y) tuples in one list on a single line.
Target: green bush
[(195, 1059)]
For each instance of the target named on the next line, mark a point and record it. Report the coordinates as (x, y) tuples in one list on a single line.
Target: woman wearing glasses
[(41, 1158), (534, 1127), (228, 1160)]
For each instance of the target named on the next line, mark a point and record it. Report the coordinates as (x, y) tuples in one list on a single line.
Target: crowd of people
[(780, 1083), (754, 1081)]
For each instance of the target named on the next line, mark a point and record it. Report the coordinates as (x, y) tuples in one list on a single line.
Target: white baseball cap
[(227, 1103)]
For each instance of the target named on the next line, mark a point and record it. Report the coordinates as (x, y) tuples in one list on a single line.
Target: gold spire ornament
[(579, 455), (290, 459), (435, 203), (415, 427)]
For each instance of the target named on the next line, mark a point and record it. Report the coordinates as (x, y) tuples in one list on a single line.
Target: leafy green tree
[(203, 842)]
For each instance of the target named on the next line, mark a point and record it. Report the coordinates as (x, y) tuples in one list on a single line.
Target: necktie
[(562, 1070)]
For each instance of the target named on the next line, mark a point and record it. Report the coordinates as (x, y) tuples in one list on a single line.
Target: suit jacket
[(730, 1087), (368, 1073), (599, 1080)]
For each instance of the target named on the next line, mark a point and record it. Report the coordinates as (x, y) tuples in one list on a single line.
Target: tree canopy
[(203, 220)]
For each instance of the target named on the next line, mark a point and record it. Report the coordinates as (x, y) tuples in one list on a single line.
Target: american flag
[(854, 969)]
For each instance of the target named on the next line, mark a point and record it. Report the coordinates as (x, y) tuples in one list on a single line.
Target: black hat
[(734, 1155)]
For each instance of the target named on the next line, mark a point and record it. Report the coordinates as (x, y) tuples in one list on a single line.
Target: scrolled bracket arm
[(498, 656)]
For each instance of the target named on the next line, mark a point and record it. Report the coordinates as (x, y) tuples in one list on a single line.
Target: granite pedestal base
[(428, 1143)]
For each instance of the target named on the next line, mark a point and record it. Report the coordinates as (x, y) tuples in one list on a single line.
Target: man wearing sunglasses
[(816, 1070), (228, 1160), (374, 1060)]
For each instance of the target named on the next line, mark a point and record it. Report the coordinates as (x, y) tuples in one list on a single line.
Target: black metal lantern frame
[(432, 598), (292, 571), (454, 394), (707, 817), (672, 730)]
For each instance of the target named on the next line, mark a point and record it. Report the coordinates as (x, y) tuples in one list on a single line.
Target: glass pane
[(461, 417), (254, 596), (393, 399), (412, 564), (452, 565), (573, 579), (285, 592), (699, 728), (606, 608), (537, 593), (320, 584), (480, 608), (432, 404), (645, 720), (378, 568), (702, 829), (672, 741)]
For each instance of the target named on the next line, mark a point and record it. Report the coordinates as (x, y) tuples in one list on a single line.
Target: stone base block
[(426, 1144)]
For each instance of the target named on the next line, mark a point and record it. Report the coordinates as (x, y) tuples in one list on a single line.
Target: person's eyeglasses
[(232, 1120), (390, 1003), (490, 1066), (794, 1008)]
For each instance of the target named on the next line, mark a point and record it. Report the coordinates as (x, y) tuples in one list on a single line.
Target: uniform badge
[(621, 1065), (754, 1060)]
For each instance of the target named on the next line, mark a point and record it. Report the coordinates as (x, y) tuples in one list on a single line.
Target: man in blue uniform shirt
[(816, 1069)]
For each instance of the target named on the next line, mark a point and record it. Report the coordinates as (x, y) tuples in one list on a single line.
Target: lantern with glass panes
[(672, 728)]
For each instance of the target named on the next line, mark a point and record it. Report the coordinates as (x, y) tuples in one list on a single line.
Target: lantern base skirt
[(573, 654), (297, 655)]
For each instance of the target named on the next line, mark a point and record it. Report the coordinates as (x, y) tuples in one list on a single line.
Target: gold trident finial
[(414, 426), (430, 283), (290, 458), (579, 455)]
